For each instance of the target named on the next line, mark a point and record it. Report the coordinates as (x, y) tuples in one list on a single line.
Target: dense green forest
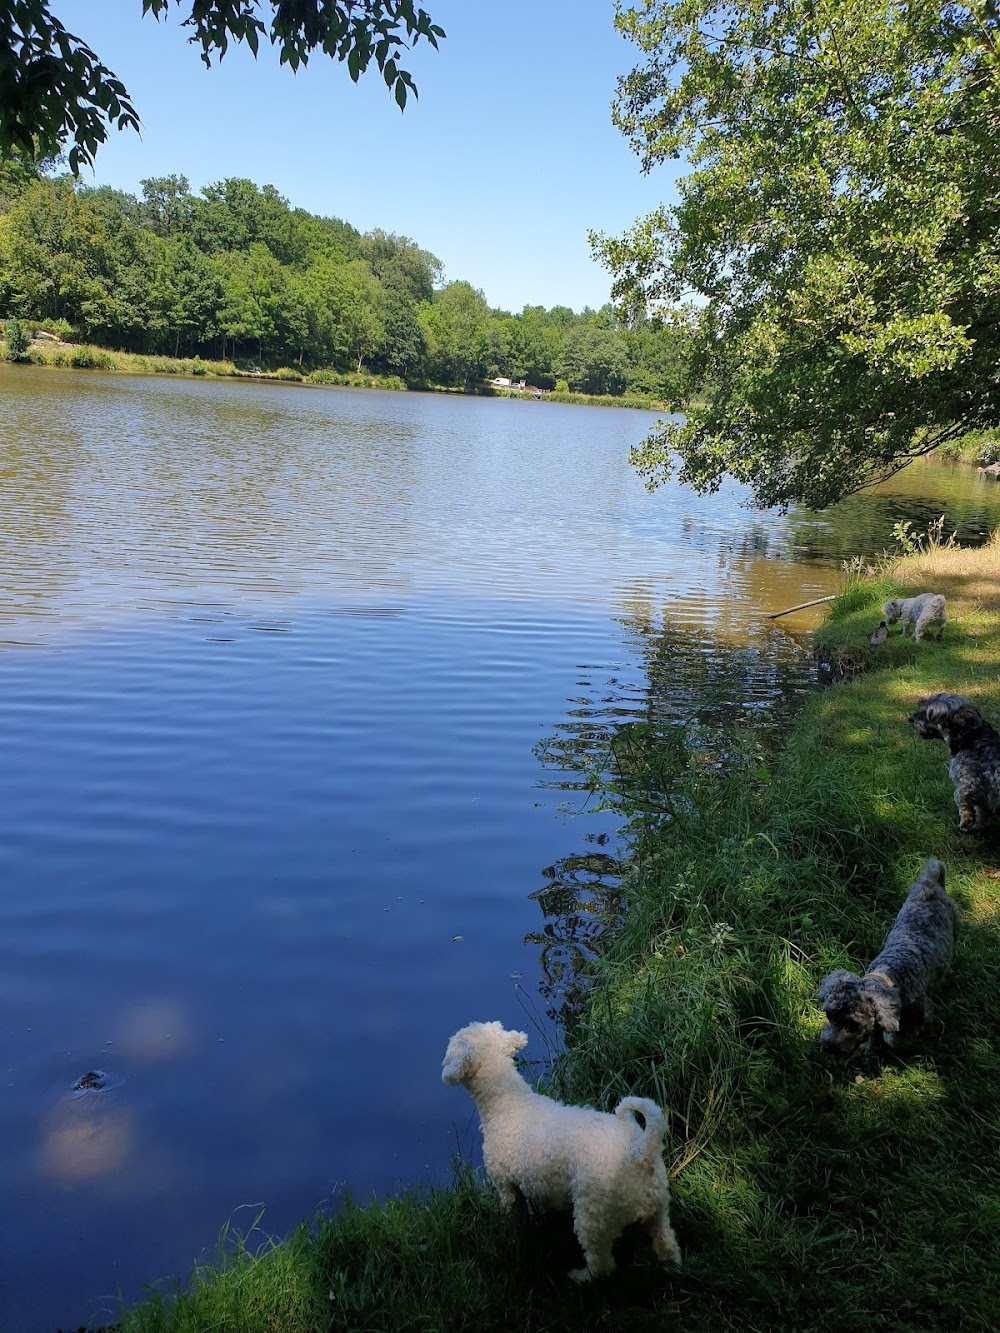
[(236, 271)]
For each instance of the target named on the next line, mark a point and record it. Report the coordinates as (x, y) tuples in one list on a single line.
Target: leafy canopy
[(54, 88), (840, 224), (236, 270)]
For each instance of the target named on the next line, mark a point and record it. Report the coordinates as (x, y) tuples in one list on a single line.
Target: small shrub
[(90, 358), (286, 373), (58, 328), (978, 447), (17, 337), (353, 380), (562, 386), (914, 543), (198, 367)]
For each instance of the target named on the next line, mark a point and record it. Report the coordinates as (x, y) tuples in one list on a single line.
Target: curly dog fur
[(607, 1167), (975, 754), (890, 998), (927, 609)]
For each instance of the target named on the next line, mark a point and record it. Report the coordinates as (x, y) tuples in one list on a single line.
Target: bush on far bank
[(17, 340), (981, 447)]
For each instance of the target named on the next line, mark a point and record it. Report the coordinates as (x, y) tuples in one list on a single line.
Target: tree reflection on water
[(676, 707), (581, 900)]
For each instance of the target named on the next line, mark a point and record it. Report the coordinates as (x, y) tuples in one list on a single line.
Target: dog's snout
[(835, 1043)]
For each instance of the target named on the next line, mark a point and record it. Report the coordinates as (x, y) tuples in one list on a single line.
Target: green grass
[(806, 1200), (980, 447), (642, 401), (439, 1260), (86, 357), (805, 1197)]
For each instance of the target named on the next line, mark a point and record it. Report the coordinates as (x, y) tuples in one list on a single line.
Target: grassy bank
[(812, 1200), (981, 448), (643, 402), (805, 1197), (76, 356)]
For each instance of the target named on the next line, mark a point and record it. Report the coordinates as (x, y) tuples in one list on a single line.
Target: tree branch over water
[(839, 225), (55, 90)]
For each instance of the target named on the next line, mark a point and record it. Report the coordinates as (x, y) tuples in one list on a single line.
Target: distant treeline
[(235, 271)]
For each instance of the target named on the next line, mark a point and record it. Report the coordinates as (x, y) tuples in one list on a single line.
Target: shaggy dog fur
[(927, 609), (606, 1167), (975, 754), (889, 998)]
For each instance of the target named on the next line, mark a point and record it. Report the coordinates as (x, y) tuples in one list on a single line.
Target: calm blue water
[(299, 691)]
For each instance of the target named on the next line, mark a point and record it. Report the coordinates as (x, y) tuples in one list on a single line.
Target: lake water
[(300, 691)]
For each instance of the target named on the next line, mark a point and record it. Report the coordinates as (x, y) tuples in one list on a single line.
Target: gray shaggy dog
[(888, 1001), (926, 610), (975, 754)]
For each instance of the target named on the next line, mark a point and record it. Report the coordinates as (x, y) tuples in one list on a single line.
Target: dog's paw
[(580, 1274)]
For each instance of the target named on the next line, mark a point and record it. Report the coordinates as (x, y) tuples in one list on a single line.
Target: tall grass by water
[(85, 357), (805, 1196), (980, 447)]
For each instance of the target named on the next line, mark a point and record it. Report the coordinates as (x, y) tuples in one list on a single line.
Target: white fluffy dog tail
[(651, 1141)]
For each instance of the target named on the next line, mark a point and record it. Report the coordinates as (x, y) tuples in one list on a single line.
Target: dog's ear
[(515, 1041), (933, 709), (966, 718), (934, 869), (886, 1002), (830, 985), (456, 1062)]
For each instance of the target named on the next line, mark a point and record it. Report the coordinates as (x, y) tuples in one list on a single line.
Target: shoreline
[(89, 356), (804, 1196)]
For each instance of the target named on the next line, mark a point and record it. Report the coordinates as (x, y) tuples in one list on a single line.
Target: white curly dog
[(924, 611), (608, 1168)]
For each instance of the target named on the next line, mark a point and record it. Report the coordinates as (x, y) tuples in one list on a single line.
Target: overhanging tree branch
[(841, 227), (54, 90)]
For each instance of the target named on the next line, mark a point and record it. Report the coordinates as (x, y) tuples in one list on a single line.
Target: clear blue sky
[(500, 168)]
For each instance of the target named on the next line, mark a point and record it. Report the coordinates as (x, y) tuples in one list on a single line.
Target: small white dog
[(608, 1168), (927, 609)]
